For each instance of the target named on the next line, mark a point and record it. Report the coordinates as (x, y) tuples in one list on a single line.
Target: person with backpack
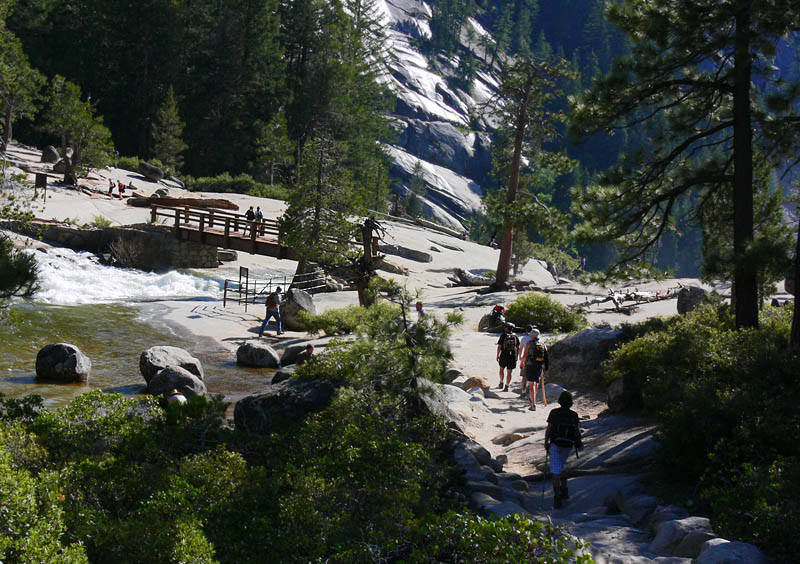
[(259, 220), (273, 310), (523, 343), (563, 434), (507, 347), (536, 360), (249, 215)]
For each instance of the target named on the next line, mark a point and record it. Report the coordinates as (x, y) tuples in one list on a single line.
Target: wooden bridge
[(223, 228)]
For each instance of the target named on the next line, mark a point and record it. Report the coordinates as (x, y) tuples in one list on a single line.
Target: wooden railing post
[(177, 222), (186, 218), (153, 214), (202, 229), (227, 244)]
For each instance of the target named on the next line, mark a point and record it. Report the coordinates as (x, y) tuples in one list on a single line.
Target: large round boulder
[(624, 394), (284, 374), (158, 358), (63, 362), (150, 172), (579, 357), (176, 378), (282, 404), (50, 155), (257, 355), (60, 166), (689, 298), (489, 324), (296, 301)]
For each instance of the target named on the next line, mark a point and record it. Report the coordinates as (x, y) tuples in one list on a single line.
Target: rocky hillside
[(434, 119)]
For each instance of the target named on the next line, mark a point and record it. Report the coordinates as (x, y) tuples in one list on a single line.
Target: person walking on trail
[(273, 310), (536, 361), (507, 347), (563, 435), (523, 342)]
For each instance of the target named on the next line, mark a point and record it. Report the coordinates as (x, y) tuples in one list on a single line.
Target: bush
[(342, 321), (128, 163), (100, 222), (547, 314), (726, 401), (241, 184)]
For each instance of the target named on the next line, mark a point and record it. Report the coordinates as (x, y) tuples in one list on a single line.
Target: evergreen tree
[(274, 149), (693, 69), (167, 130), (416, 191), (74, 122)]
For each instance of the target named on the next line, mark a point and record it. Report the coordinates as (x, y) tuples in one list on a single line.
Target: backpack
[(565, 432), (510, 344), (536, 354), (271, 301)]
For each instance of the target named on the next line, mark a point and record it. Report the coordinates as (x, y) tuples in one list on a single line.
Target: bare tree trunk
[(795, 336), (8, 125), (745, 272), (504, 262)]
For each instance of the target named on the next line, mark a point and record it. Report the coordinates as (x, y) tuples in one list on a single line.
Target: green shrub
[(128, 163), (240, 184), (100, 222), (727, 404), (547, 314), (345, 320)]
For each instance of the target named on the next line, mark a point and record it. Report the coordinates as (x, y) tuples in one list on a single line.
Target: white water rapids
[(67, 277)]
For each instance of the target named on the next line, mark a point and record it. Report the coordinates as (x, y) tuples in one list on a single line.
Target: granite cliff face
[(436, 122)]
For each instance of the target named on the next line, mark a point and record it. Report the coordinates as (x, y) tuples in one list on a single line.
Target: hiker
[(523, 343), (507, 347), (176, 397), (120, 187), (420, 310), (563, 434), (305, 355), (259, 220), (497, 315), (273, 310), (249, 215), (536, 360), (111, 187)]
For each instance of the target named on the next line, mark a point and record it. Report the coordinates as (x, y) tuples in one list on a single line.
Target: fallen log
[(464, 278), (620, 297), (140, 202)]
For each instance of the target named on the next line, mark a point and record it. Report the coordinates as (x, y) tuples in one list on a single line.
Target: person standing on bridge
[(259, 220), (249, 215), (273, 310)]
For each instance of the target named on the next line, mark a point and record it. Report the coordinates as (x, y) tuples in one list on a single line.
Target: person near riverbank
[(507, 347), (536, 360), (563, 434), (305, 355), (176, 397), (523, 343), (420, 310), (273, 310)]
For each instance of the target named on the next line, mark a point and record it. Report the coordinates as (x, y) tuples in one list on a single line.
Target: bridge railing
[(205, 219), (248, 290)]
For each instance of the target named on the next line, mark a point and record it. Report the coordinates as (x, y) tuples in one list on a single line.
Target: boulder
[(731, 553), (257, 355), (176, 378), (639, 507), (664, 513), (157, 358), (284, 403), (150, 172), (578, 358), (226, 255), (692, 544), (475, 382), (489, 325), (669, 534), (161, 193), (405, 252), (284, 374), (690, 298), (49, 155), (60, 167), (63, 362), (296, 301)]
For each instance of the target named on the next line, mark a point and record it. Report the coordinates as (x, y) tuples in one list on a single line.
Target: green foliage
[(726, 400), (240, 184), (547, 314), (167, 130), (100, 221), (128, 163), (345, 320), (18, 271)]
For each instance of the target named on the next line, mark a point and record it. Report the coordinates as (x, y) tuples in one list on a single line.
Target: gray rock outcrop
[(489, 325), (150, 171), (730, 553), (578, 358), (669, 534), (282, 404), (623, 394), (60, 166), (157, 358), (284, 373), (406, 252), (690, 298), (257, 355), (50, 155), (161, 193), (296, 301), (176, 378), (63, 362)]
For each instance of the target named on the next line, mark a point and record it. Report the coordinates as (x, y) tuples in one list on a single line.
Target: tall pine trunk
[(504, 262), (745, 274), (795, 337)]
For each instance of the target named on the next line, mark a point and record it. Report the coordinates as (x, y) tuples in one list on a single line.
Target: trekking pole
[(544, 394), (544, 482)]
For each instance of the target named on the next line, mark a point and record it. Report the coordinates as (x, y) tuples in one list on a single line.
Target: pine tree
[(167, 130), (691, 78), (19, 82)]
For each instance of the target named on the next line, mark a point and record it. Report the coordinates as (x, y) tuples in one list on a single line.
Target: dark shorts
[(533, 373), (508, 361)]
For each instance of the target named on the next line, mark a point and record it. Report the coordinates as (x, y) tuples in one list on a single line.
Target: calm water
[(113, 333)]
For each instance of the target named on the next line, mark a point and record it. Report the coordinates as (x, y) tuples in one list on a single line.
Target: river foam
[(67, 277)]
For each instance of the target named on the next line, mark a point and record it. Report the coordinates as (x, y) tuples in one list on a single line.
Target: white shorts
[(558, 458)]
